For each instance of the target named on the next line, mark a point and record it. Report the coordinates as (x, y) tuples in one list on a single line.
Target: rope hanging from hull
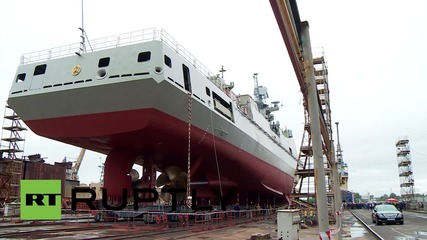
[(216, 156), (190, 103)]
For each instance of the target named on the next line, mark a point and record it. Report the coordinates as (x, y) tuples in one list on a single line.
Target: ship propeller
[(136, 181), (172, 178), (134, 175)]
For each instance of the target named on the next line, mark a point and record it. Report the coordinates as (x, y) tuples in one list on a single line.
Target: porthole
[(158, 70), (101, 74)]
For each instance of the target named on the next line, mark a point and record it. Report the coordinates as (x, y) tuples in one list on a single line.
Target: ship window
[(187, 80), (144, 56), (20, 77), (222, 106), (168, 61), (104, 62), (40, 69), (208, 91)]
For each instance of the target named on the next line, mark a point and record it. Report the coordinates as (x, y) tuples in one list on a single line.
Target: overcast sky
[(376, 53)]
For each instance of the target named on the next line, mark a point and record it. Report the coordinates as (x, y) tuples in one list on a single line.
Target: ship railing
[(124, 39), (48, 54), (96, 44), (117, 41), (144, 35), (104, 43), (172, 43)]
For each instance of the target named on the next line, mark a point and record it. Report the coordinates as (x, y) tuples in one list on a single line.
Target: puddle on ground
[(352, 228), (419, 235), (357, 231)]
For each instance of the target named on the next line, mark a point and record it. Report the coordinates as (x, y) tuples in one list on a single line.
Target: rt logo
[(40, 199)]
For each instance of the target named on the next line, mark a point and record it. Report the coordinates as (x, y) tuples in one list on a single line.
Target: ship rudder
[(118, 165)]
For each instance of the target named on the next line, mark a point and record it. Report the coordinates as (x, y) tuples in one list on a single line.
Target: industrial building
[(15, 167)]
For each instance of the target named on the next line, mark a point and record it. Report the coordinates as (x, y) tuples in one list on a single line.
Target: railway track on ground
[(366, 225), (185, 232), (176, 227), (27, 225), (40, 231)]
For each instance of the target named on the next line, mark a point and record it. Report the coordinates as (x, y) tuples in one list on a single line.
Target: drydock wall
[(39, 170)]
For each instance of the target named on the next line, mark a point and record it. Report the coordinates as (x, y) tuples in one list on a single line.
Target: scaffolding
[(12, 148), (404, 163), (304, 187)]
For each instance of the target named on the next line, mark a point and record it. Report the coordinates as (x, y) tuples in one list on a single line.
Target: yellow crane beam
[(77, 164)]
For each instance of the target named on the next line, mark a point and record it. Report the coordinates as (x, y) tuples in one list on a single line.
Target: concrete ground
[(267, 229), (352, 229)]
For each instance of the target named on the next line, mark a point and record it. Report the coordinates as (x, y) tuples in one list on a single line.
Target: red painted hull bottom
[(156, 141)]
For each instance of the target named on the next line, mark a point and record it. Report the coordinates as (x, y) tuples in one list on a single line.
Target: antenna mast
[(82, 17), (83, 36), (222, 70), (82, 48), (256, 88), (339, 151)]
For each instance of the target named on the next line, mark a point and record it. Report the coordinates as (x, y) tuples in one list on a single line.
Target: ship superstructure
[(142, 98)]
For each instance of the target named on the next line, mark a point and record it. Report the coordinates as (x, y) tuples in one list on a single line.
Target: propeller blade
[(181, 180), (137, 183), (165, 196), (172, 178), (134, 175), (162, 180), (173, 172)]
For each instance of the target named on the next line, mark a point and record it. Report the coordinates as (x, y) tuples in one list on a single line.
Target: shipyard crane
[(77, 164)]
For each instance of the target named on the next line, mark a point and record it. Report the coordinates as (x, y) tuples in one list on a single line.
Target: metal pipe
[(284, 21), (313, 106), (337, 192)]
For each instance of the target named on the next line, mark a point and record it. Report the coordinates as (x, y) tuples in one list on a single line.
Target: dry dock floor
[(352, 229)]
